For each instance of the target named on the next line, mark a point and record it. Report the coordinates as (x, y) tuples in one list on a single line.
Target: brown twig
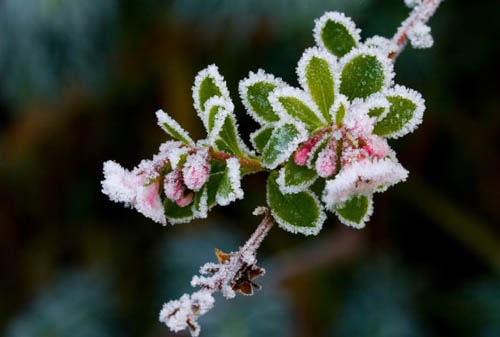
[(420, 14)]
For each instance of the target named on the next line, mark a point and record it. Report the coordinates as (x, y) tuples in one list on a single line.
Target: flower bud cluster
[(178, 170), (343, 145)]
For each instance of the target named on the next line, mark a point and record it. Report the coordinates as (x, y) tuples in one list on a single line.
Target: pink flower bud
[(185, 199), (147, 200), (376, 146), (301, 155), (326, 163), (173, 186), (196, 170)]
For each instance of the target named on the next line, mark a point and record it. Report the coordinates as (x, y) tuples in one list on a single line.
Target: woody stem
[(258, 235), (422, 13)]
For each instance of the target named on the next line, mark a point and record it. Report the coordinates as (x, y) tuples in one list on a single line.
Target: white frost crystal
[(362, 178), (133, 189), (420, 36), (413, 3), (183, 313)]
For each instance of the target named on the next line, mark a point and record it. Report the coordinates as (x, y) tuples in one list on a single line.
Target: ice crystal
[(413, 3), (363, 178), (420, 36), (133, 189), (183, 313)]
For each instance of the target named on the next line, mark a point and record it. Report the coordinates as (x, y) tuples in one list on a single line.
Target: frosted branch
[(234, 272), (419, 16)]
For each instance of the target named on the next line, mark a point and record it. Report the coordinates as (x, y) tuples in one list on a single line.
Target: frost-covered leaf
[(362, 178), (200, 203), (295, 103), (294, 178), (215, 108), (297, 213), (356, 211), (316, 150), (405, 113), (316, 72), (176, 214), (364, 73), (217, 170), (170, 126), (377, 106), (339, 108), (224, 136), (207, 84), (283, 141), (260, 137), (230, 184), (336, 32), (254, 92)]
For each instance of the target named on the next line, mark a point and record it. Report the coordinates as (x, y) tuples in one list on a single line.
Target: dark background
[(79, 84)]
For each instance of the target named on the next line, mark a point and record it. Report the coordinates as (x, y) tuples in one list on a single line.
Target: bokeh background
[(79, 84)]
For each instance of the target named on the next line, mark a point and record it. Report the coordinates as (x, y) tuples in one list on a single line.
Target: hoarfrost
[(384, 45), (119, 184), (363, 178), (183, 313), (133, 189), (420, 36), (412, 3), (164, 118)]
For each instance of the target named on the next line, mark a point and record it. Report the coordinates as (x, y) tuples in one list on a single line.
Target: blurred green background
[(79, 84)]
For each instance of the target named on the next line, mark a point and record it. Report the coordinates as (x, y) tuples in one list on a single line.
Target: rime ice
[(420, 36), (363, 178)]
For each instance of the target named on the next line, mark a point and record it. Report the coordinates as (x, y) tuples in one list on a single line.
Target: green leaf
[(225, 137), (405, 113), (340, 114), (213, 111), (355, 211), (376, 112), (294, 178), (337, 33), (260, 137), (208, 89), (229, 188), (299, 110), (362, 76), (176, 214), (209, 85), (283, 141), (217, 170), (170, 126), (258, 102), (296, 213), (319, 81), (200, 203)]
